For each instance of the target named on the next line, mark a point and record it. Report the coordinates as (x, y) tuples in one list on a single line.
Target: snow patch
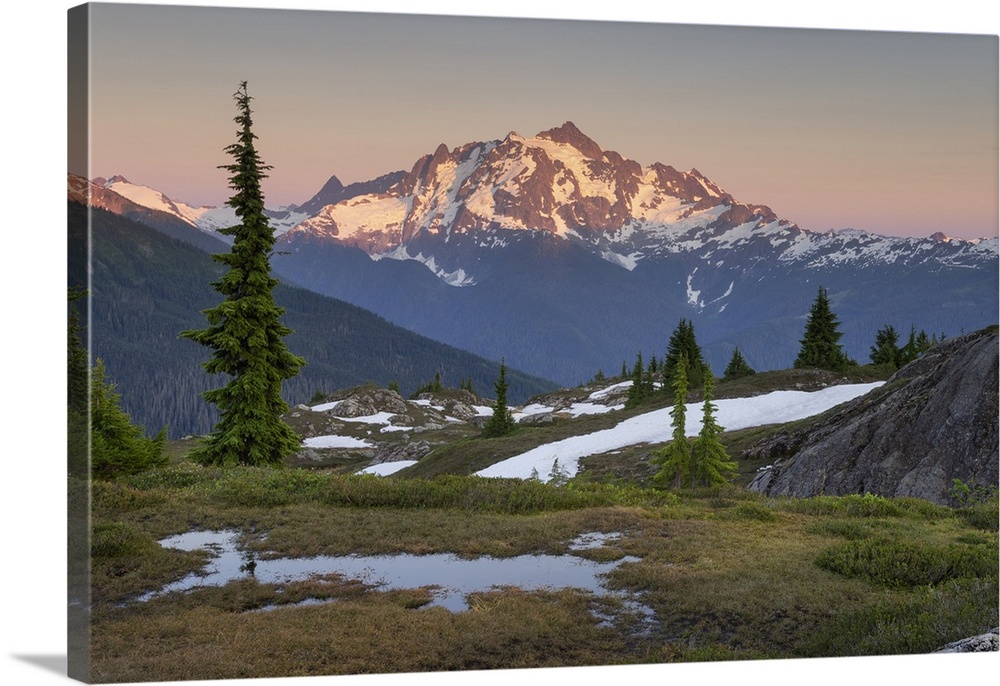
[(387, 468), (335, 442), (655, 427)]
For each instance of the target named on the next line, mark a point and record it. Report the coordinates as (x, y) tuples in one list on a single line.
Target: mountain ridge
[(148, 286)]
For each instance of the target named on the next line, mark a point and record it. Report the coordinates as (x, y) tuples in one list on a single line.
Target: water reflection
[(449, 577)]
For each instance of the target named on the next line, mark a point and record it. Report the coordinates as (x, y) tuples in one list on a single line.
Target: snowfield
[(776, 407), (654, 427)]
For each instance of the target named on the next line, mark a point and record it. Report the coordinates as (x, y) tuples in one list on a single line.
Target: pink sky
[(894, 133)]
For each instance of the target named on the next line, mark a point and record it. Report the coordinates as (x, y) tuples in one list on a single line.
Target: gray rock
[(368, 400), (401, 451), (540, 418), (984, 643), (935, 420)]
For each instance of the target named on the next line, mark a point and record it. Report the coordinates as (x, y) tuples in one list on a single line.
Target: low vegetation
[(726, 574), (711, 571)]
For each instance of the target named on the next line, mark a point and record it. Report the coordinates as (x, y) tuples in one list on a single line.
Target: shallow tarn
[(449, 578)]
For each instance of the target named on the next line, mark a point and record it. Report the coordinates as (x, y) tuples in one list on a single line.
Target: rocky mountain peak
[(569, 134)]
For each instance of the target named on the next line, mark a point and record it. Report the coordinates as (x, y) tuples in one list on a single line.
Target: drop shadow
[(50, 663)]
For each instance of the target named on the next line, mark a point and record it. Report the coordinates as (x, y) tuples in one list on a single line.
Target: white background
[(32, 385)]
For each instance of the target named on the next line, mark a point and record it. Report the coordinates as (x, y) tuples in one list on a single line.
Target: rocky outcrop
[(399, 452), (934, 421), (367, 400), (984, 643)]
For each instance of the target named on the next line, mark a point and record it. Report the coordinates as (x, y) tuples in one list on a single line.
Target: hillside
[(147, 287), (563, 432)]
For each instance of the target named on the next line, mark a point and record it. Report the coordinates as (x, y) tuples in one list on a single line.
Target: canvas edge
[(78, 262)]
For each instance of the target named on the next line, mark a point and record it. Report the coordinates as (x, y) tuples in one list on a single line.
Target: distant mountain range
[(148, 287), (565, 258)]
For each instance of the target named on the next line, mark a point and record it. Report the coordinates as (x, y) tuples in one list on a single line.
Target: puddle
[(449, 577), (593, 539)]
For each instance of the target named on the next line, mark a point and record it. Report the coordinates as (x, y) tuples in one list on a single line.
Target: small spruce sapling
[(737, 367), (675, 458), (710, 463), (501, 422)]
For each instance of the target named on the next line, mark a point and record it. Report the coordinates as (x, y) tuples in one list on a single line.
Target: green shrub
[(117, 446), (868, 505), (263, 487), (749, 511), (910, 623), (981, 515), (897, 564), (181, 476), (113, 496), (111, 540), (842, 528)]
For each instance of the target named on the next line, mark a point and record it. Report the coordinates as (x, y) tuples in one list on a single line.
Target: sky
[(892, 132), (33, 181)]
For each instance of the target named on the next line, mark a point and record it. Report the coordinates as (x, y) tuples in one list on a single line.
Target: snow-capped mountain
[(565, 258), (206, 218), (562, 183)]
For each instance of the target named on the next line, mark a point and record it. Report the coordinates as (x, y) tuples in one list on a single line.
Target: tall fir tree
[(710, 463), (245, 330), (820, 345), (501, 422), (675, 458), (684, 343), (738, 366)]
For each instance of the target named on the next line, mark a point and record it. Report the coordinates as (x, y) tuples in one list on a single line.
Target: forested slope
[(147, 287)]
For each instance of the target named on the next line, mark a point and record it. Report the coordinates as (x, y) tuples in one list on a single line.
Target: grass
[(729, 574)]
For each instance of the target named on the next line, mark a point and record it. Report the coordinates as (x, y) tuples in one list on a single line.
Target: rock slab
[(934, 421)]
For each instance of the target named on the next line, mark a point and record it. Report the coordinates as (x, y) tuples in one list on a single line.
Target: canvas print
[(418, 343)]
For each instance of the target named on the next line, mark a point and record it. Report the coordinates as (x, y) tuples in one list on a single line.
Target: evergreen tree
[(710, 463), (558, 476), (245, 331), (637, 392), (737, 367), (675, 458), (433, 386), (916, 345), (501, 422), (117, 446), (683, 343), (885, 350), (820, 347), (923, 342)]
